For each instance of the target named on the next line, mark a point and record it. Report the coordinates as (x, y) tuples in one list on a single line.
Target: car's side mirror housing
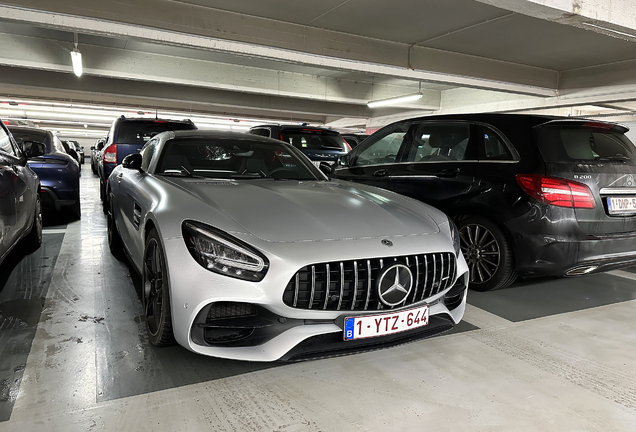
[(326, 168), (132, 161), (32, 149), (343, 161), (92, 147)]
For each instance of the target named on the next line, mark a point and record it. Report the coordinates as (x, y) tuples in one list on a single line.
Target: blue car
[(20, 211), (58, 171), (127, 136)]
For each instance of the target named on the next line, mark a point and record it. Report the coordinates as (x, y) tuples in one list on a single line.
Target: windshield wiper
[(183, 172)]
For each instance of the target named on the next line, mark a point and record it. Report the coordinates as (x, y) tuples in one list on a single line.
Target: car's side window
[(441, 142), (147, 153), (382, 148), (493, 147), (5, 143)]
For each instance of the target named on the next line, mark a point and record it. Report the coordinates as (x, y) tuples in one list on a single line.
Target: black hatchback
[(531, 195), (318, 144)]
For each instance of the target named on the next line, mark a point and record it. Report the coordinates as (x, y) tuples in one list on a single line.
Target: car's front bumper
[(193, 289)]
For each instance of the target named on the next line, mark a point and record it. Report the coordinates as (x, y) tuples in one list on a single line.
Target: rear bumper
[(557, 247)]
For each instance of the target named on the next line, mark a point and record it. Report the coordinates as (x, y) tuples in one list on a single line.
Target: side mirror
[(32, 149), (325, 168), (132, 161), (343, 161), (92, 147)]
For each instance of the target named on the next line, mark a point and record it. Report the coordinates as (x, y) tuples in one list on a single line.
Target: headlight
[(454, 232), (223, 254)]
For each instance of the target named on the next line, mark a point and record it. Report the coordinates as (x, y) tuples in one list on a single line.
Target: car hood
[(293, 211)]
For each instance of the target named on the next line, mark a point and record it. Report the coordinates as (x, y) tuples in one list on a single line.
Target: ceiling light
[(395, 100), (76, 58), (609, 30)]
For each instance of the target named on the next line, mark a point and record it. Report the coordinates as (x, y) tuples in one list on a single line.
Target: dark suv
[(127, 136), (318, 144), (531, 195)]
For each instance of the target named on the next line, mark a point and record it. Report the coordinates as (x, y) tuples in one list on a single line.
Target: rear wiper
[(618, 158)]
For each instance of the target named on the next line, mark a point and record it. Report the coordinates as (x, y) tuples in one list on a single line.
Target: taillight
[(557, 191), (110, 154)]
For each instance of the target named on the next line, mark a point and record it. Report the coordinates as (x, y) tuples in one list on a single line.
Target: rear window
[(560, 143), (140, 132), (314, 140), (39, 136)]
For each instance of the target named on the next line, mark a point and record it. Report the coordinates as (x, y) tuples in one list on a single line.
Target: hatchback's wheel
[(115, 244), (488, 254), (33, 240), (156, 293), (103, 196)]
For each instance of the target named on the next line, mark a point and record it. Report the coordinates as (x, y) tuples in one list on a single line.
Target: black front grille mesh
[(351, 285)]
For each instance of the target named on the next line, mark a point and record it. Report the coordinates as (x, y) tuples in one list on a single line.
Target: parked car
[(69, 148), (79, 149), (354, 139), (233, 235), (20, 207), (127, 136), (57, 170), (318, 144), (531, 195), (96, 152)]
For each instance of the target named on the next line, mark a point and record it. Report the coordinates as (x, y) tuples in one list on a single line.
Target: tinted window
[(493, 147), (29, 135), (440, 142), (559, 143), (139, 132), (239, 159), (382, 147), (314, 139), (260, 132), (5, 143)]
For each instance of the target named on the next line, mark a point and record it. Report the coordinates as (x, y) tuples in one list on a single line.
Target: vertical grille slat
[(354, 282), (313, 285), (327, 283)]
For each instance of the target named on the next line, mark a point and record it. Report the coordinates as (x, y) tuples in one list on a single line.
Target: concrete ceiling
[(321, 62)]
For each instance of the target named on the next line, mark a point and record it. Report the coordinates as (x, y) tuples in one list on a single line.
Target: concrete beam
[(176, 23), (616, 18), (29, 52)]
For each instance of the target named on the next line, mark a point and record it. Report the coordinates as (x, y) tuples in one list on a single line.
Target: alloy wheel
[(153, 287), (482, 252)]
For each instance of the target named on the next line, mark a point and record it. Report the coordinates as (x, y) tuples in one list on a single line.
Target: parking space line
[(623, 274)]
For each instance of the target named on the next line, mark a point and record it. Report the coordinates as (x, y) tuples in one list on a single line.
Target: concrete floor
[(548, 355)]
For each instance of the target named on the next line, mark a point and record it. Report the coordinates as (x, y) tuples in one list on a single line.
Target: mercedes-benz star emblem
[(394, 284), (386, 242)]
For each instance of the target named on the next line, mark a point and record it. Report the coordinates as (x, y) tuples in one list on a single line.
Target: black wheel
[(115, 244), (156, 293), (93, 169), (76, 210), (33, 240), (103, 196), (488, 253)]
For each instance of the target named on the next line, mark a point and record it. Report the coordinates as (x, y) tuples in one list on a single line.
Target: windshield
[(561, 143), (233, 159)]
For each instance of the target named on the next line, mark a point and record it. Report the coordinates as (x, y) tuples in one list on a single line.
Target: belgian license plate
[(618, 205), (368, 326)]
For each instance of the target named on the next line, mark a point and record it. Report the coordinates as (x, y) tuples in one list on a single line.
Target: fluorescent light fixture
[(395, 100), (76, 58)]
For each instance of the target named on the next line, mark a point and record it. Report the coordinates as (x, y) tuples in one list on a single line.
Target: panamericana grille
[(351, 285)]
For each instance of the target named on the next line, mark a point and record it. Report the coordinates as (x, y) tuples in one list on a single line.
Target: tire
[(156, 293), (93, 169), (76, 210), (33, 240), (115, 244), (104, 197), (488, 253)]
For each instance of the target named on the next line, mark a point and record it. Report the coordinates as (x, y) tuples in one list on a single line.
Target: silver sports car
[(247, 251)]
